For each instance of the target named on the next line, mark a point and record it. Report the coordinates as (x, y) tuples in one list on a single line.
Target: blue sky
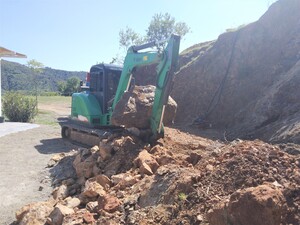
[(75, 34)]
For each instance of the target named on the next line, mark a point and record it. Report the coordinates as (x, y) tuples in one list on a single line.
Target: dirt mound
[(246, 82), (181, 180)]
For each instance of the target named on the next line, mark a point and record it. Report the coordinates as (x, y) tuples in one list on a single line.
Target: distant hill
[(16, 76)]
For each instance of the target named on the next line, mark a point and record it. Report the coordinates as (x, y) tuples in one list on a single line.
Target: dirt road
[(23, 160)]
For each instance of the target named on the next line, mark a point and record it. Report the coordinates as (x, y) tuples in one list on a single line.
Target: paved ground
[(25, 150), (13, 127)]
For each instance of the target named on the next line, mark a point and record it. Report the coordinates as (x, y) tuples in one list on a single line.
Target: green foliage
[(160, 28), (73, 85), (70, 86), (18, 108), (16, 77), (61, 85), (163, 25), (43, 93), (129, 37), (35, 66), (182, 196), (49, 93)]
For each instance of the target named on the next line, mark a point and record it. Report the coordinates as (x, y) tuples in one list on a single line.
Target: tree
[(163, 25), (37, 68), (129, 37), (160, 28), (70, 86), (61, 86)]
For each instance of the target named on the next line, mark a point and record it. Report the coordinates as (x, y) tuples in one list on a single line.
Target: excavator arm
[(167, 63)]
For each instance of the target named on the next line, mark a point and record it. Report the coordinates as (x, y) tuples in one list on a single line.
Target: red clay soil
[(183, 179)]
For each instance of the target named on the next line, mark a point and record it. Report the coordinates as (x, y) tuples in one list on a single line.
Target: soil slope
[(247, 81)]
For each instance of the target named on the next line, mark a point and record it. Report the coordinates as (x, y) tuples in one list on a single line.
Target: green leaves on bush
[(18, 108)]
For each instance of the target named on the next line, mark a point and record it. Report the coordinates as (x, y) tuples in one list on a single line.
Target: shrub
[(18, 108), (49, 93)]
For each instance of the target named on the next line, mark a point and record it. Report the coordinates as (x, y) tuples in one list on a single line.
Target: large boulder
[(262, 205), (134, 108)]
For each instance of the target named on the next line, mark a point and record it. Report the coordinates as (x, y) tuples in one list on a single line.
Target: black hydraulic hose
[(219, 90)]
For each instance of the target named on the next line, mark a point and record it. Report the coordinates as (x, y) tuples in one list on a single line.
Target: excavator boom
[(167, 63)]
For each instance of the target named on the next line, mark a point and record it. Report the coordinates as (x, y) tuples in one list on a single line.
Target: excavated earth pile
[(247, 81), (183, 179), (135, 107)]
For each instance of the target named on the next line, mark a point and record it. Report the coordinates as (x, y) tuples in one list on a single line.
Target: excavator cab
[(92, 105), (104, 80)]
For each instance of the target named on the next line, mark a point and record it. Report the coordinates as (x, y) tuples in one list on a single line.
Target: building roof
[(4, 52)]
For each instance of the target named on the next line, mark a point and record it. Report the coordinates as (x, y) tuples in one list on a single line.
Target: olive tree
[(163, 25), (160, 28)]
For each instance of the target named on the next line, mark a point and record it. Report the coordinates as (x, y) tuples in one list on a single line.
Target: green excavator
[(92, 108)]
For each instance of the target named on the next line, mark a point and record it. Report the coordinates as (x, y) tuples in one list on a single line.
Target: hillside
[(16, 76), (246, 83)]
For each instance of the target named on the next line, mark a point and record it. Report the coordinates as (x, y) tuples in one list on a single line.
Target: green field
[(45, 118), (54, 99), (52, 107)]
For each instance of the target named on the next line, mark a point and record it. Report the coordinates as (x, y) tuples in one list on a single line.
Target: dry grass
[(52, 107)]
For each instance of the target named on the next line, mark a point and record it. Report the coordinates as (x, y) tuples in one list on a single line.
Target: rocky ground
[(183, 179)]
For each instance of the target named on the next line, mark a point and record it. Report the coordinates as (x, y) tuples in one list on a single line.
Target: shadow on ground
[(55, 145), (63, 170)]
